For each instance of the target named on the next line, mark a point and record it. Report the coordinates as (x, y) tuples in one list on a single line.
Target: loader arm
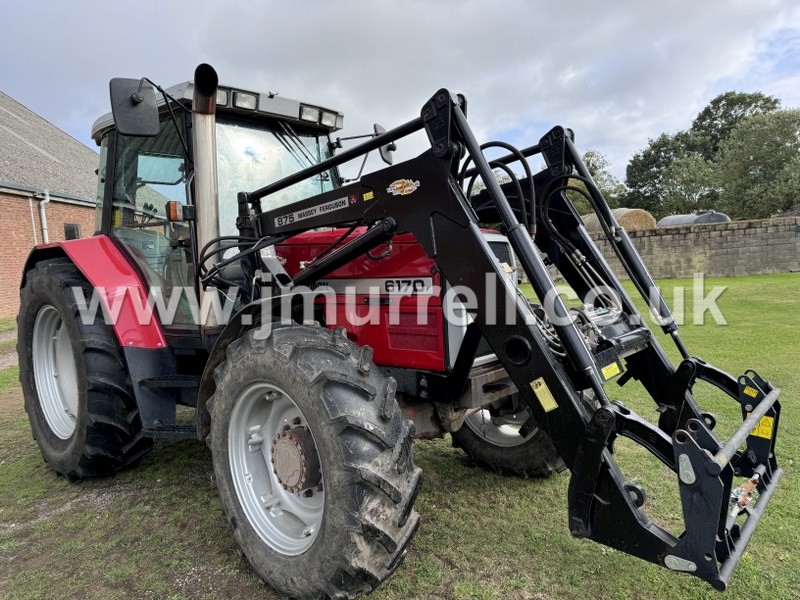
[(424, 196)]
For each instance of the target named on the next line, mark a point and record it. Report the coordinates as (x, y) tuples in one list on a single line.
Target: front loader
[(360, 314)]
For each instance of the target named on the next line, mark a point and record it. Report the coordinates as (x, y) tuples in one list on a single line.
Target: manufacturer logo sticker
[(402, 187)]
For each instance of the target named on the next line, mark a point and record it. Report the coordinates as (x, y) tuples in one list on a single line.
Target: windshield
[(252, 155)]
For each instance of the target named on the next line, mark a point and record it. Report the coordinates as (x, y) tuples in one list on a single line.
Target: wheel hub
[(294, 460)]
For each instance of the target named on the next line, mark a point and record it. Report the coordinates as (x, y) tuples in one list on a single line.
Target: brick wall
[(16, 237), (717, 250)]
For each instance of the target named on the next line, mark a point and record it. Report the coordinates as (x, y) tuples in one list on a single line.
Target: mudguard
[(117, 283)]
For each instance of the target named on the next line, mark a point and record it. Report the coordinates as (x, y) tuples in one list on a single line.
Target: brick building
[(47, 191)]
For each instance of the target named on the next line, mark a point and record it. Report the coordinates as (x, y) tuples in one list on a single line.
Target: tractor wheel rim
[(287, 522), (499, 434), (54, 372)]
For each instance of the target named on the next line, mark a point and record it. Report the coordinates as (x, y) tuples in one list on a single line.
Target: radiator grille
[(502, 251)]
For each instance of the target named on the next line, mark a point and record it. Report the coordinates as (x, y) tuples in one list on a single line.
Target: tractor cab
[(260, 137)]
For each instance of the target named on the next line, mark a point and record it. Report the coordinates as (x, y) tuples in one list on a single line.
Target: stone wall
[(716, 249)]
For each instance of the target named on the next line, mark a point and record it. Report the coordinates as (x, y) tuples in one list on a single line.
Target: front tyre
[(312, 458)]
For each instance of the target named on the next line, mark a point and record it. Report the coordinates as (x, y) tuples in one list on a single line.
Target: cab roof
[(232, 100)]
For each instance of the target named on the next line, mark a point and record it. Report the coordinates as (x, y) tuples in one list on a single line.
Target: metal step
[(172, 381), (172, 432)]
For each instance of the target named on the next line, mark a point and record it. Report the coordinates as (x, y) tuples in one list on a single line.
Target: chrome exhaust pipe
[(204, 145)]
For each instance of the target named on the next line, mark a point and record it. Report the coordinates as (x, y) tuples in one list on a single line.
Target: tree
[(689, 185), (658, 186), (759, 165), (644, 175), (612, 188), (597, 164), (715, 122)]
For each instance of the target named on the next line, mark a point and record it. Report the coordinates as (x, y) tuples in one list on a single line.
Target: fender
[(111, 274), (249, 317)]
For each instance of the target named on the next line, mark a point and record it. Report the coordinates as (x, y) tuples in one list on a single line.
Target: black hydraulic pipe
[(377, 235), (508, 158), (349, 154), (532, 263), (630, 258), (530, 224)]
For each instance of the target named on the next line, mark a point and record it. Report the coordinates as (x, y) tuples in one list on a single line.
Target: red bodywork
[(397, 337), (119, 286)]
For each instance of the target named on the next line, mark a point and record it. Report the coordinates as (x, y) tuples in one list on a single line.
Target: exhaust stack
[(204, 109)]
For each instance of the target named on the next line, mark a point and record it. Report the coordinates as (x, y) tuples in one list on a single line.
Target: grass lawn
[(8, 324), (156, 531)]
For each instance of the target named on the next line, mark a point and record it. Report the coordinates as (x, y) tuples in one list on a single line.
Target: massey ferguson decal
[(314, 211), (402, 187)]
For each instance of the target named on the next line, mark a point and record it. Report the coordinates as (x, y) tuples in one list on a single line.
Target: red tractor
[(316, 325)]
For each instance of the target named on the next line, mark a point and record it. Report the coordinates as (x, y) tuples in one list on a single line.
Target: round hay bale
[(631, 219)]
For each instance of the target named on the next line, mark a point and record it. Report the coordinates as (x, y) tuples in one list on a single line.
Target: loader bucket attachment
[(714, 540), (724, 487)]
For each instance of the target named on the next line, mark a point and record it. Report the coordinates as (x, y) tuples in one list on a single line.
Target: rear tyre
[(312, 458), (496, 444), (78, 395)]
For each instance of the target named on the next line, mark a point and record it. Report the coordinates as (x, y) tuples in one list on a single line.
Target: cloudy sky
[(618, 73)]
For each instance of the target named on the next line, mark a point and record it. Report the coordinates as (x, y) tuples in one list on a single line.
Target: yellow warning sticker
[(368, 196), (543, 394), (610, 371), (752, 392), (764, 428)]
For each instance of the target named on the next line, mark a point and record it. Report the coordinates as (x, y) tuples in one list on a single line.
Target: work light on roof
[(328, 119), (222, 97), (309, 113), (244, 100)]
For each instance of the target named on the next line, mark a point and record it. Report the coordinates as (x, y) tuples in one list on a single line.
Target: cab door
[(148, 172)]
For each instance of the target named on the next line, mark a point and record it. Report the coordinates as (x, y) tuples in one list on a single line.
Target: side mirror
[(386, 150), (133, 105)]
